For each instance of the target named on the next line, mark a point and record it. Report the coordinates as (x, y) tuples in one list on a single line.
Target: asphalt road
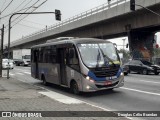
[(140, 92)]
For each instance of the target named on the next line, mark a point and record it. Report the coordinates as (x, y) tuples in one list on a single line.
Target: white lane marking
[(141, 91), (61, 98), (146, 81), (27, 72), (73, 98), (150, 81), (20, 73)]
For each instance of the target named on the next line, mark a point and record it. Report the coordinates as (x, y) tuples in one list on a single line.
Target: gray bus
[(81, 64)]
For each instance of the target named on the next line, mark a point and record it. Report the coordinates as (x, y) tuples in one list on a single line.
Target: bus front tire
[(74, 88)]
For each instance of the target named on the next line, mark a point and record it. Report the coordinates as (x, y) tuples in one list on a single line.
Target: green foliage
[(126, 53), (156, 52)]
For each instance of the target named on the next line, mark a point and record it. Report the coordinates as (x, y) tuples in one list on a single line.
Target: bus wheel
[(74, 88), (44, 81)]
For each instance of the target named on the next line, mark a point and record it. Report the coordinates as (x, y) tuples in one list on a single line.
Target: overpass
[(105, 21)]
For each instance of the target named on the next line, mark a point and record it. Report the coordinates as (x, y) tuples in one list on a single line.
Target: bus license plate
[(108, 83)]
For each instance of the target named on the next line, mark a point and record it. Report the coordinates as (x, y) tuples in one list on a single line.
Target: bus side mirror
[(115, 45), (71, 53), (127, 45)]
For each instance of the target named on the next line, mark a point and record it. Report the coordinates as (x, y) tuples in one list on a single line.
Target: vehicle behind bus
[(82, 64)]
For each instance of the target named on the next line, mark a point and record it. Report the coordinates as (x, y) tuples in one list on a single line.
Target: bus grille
[(105, 73)]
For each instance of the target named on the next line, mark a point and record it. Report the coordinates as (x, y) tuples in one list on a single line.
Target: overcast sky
[(33, 23)]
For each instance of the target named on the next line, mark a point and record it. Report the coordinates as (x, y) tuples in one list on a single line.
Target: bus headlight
[(122, 73), (90, 79)]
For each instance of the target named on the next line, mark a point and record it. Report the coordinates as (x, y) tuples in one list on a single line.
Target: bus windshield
[(97, 55)]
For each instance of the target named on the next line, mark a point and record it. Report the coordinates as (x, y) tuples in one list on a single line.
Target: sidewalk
[(19, 96)]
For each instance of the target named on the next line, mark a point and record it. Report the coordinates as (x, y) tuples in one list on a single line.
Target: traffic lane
[(143, 82), (27, 68), (155, 78), (23, 75), (119, 99), (133, 81)]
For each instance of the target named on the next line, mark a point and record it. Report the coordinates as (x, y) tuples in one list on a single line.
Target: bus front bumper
[(103, 85)]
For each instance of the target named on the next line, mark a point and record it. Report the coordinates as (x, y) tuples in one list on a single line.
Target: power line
[(31, 12), (33, 22), (15, 12), (26, 15), (19, 5), (19, 10), (28, 26), (27, 3), (24, 12), (6, 7), (3, 4)]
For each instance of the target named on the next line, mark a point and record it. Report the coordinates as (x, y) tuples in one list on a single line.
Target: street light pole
[(123, 43), (1, 58), (10, 31)]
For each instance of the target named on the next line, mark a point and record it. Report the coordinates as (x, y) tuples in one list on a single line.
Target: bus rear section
[(82, 65)]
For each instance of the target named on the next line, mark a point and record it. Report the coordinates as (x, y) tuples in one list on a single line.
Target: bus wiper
[(105, 56), (98, 58)]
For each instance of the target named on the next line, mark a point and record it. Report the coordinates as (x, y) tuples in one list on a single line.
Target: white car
[(5, 64)]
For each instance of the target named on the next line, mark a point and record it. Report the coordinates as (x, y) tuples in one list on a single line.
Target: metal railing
[(80, 16)]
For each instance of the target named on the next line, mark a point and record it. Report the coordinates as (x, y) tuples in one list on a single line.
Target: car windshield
[(6, 61), (96, 55), (146, 63)]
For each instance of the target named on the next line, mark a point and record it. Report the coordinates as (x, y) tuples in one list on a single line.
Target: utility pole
[(1, 52), (123, 43)]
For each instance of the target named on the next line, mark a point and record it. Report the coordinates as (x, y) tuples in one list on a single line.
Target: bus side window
[(53, 54), (72, 59), (40, 57), (35, 55), (46, 55), (32, 55)]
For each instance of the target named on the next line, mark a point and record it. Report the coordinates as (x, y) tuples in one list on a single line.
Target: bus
[(81, 64)]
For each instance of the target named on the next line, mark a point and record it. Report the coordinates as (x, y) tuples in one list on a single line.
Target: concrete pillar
[(141, 44)]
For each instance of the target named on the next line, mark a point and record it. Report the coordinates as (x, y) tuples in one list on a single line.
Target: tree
[(126, 55)]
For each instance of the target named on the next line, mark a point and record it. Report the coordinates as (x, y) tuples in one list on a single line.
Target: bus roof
[(74, 41)]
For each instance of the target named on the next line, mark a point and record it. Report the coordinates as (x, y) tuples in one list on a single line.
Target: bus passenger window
[(73, 59)]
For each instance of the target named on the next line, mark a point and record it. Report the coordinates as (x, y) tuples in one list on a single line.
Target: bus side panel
[(74, 75), (51, 72), (33, 70)]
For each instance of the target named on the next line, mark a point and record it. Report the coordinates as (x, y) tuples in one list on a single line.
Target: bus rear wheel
[(74, 88), (44, 81)]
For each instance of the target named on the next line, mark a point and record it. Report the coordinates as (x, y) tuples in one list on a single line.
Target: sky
[(33, 23)]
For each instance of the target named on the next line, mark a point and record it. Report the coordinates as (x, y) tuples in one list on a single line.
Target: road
[(140, 92)]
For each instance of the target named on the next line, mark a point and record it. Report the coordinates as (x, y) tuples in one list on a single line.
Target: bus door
[(62, 60), (36, 63)]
